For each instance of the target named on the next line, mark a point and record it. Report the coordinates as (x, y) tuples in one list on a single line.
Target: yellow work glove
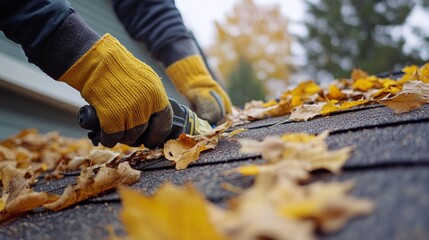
[(129, 98), (193, 80)]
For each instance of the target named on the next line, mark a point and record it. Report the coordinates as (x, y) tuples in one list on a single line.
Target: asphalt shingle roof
[(389, 165)]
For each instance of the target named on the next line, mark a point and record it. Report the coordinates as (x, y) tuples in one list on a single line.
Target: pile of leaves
[(281, 203), (30, 156), (309, 100)]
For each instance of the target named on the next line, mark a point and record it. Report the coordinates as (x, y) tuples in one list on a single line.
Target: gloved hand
[(129, 98), (193, 80)]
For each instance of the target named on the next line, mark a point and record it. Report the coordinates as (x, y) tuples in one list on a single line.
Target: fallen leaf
[(311, 151), (100, 156), (171, 213), (358, 74), (365, 84), (272, 110), (387, 82), (411, 73), (254, 214), (326, 203), (335, 93), (270, 103), (187, 148), (293, 170), (298, 137), (183, 153), (17, 197), (329, 107), (281, 109), (77, 162), (306, 111), (413, 95), (424, 73), (6, 154), (235, 132), (302, 93), (90, 184)]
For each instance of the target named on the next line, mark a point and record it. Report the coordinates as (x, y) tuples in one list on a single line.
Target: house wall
[(18, 112), (30, 99)]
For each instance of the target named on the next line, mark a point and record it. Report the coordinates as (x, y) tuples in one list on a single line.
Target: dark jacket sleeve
[(159, 25), (51, 34)]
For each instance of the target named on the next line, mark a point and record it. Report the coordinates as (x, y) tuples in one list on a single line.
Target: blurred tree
[(343, 34), (259, 34), (243, 85)]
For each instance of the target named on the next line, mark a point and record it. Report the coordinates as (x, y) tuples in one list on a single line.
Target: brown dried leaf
[(17, 197), (6, 154), (187, 148), (306, 111), (358, 74), (255, 214), (25, 201), (311, 151), (326, 203), (8, 173), (182, 153), (90, 184), (100, 156), (413, 95)]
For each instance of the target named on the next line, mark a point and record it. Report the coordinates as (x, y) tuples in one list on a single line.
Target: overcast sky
[(199, 16)]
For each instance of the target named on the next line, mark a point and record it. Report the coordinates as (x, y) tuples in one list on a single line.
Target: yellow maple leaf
[(387, 82), (280, 109), (410, 73), (270, 103), (424, 73), (174, 213), (304, 90), (383, 92), (329, 107), (335, 93), (365, 84)]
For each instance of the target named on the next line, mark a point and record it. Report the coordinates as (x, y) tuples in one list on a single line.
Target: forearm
[(51, 34), (160, 26)]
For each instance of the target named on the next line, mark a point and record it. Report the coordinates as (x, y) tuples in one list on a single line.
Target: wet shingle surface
[(389, 164)]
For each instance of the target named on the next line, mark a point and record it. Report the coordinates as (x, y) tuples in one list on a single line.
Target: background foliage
[(259, 36), (252, 47), (344, 34)]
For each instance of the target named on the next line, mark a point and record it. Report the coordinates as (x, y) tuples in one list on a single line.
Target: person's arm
[(51, 34), (128, 95), (159, 25)]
